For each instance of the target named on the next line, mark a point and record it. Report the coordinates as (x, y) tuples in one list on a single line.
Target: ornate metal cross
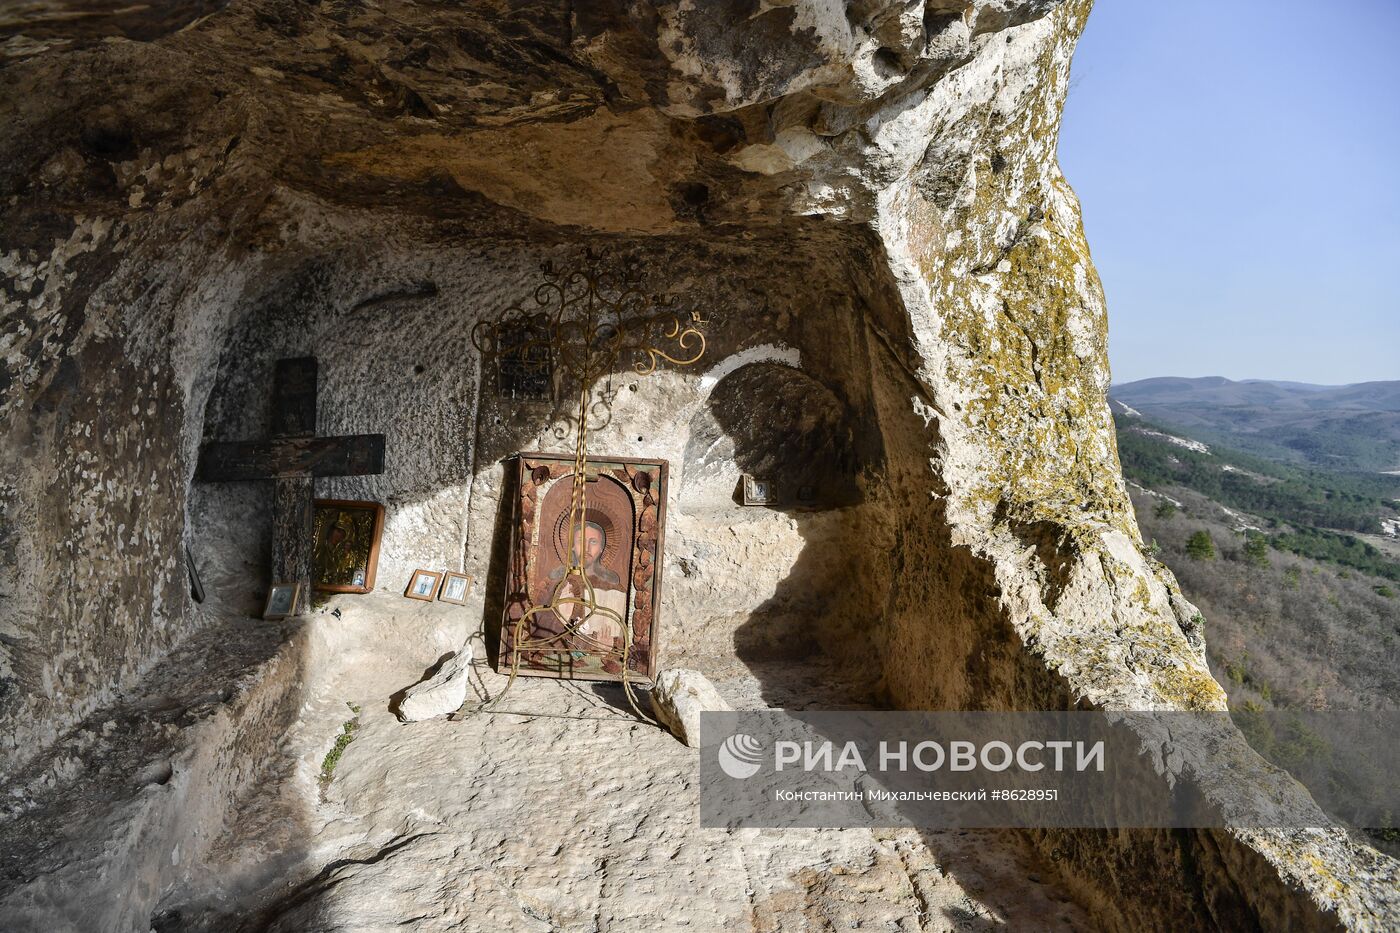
[(583, 324)]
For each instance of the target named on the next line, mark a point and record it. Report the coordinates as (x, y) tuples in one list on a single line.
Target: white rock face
[(443, 693), (678, 699), (865, 202), (566, 817)]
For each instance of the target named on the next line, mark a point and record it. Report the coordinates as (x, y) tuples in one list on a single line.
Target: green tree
[(1256, 548), (1200, 546), (1164, 509)]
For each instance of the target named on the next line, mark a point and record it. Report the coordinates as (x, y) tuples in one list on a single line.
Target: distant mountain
[(1216, 391), (1352, 427)]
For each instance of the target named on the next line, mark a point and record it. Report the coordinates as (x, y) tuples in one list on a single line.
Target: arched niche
[(774, 421), (793, 578)]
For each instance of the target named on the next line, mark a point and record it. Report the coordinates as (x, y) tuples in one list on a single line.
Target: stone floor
[(570, 816)]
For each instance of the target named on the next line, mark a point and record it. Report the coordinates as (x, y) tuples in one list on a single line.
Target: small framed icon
[(757, 491), (281, 600), (423, 585), (454, 588)]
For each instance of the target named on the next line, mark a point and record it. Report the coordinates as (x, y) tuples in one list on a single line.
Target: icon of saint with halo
[(602, 622)]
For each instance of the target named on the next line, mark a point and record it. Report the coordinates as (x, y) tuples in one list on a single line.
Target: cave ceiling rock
[(166, 161)]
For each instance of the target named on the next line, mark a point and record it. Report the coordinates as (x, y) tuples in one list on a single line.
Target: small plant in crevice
[(342, 741)]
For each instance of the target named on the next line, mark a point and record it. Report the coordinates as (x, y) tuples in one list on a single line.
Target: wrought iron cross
[(581, 326), (583, 321)]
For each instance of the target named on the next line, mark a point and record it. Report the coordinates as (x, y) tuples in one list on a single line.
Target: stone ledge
[(96, 829)]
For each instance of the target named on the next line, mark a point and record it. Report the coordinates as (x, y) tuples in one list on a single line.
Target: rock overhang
[(914, 142)]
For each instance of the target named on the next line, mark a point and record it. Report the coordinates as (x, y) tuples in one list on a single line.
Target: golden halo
[(597, 517)]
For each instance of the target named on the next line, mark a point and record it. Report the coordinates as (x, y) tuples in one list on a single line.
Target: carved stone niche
[(777, 423)]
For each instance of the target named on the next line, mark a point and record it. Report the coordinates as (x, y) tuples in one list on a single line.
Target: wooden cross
[(292, 458)]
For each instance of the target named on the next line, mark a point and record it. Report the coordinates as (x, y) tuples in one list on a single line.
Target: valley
[(1296, 568)]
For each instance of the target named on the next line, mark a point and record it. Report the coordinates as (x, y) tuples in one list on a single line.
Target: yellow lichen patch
[(1189, 689), (1142, 594), (1335, 888)]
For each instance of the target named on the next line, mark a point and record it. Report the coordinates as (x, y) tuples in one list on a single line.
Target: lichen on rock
[(862, 199)]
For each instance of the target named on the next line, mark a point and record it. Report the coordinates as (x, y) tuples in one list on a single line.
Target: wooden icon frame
[(366, 558), (431, 594), (644, 482), (447, 580)]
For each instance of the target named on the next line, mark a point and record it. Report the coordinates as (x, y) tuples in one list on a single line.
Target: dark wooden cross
[(292, 458)]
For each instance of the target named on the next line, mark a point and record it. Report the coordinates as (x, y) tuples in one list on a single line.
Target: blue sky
[(1238, 162)]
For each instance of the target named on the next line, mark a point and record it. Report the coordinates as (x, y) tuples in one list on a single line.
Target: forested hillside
[(1302, 510), (1296, 570), (1282, 631)]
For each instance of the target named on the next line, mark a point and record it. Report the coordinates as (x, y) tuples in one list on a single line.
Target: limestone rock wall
[(99, 435), (863, 196), (779, 393)]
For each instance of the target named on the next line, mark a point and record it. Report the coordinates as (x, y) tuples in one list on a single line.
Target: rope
[(534, 715), (480, 687)]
